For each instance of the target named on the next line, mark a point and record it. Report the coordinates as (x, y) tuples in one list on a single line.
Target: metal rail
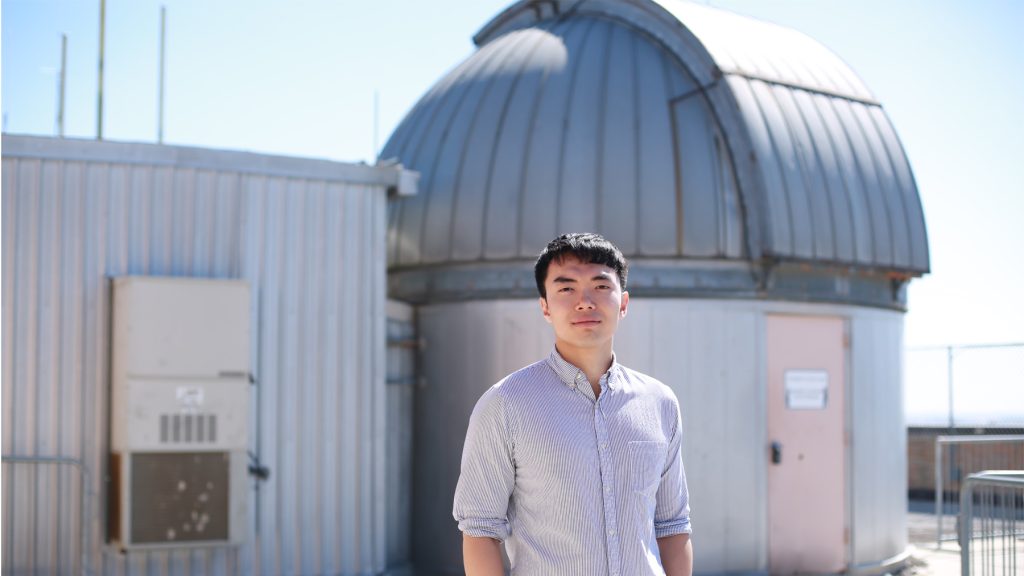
[(1010, 511), (85, 486), (941, 441)]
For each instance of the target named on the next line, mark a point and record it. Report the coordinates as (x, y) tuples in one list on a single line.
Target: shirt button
[(611, 532), (608, 489), (604, 445)]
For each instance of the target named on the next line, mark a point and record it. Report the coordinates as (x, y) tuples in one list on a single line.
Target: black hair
[(586, 247)]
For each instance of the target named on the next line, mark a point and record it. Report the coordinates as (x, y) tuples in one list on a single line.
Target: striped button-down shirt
[(573, 483)]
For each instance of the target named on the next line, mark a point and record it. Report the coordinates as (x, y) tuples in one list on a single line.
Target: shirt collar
[(572, 376)]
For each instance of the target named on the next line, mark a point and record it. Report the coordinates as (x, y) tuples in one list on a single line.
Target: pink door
[(806, 471)]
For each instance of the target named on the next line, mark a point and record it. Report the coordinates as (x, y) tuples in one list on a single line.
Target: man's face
[(584, 303)]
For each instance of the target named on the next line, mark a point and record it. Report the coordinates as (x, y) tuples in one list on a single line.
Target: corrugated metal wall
[(312, 249), (711, 353), (879, 446)]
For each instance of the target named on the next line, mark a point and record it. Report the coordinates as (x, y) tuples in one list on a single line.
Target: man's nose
[(585, 302)]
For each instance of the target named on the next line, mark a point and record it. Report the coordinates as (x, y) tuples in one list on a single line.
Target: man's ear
[(624, 304), (544, 309)]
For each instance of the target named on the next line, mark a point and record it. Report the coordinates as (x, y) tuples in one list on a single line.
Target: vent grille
[(188, 428)]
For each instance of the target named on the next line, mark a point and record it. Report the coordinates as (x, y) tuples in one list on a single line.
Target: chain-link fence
[(961, 391)]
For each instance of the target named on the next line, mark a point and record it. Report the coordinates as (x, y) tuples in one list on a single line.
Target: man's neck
[(593, 361)]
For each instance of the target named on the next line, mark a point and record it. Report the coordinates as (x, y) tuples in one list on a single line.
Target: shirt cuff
[(485, 528), (671, 528)]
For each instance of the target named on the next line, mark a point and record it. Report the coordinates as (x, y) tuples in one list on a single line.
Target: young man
[(574, 461)]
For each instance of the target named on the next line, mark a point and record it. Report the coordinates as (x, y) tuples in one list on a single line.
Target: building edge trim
[(699, 279)]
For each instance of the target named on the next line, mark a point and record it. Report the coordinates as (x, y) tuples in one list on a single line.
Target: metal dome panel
[(678, 131), (574, 124)]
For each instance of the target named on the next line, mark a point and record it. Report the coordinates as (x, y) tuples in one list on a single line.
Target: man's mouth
[(587, 322)]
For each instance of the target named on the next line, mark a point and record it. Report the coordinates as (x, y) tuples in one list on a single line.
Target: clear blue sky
[(299, 78)]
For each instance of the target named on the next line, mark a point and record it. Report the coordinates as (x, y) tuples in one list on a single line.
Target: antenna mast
[(99, 98), (63, 77), (163, 38)]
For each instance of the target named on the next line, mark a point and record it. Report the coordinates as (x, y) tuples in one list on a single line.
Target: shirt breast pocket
[(646, 461)]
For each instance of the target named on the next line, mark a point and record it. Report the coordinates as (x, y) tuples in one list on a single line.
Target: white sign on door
[(806, 389)]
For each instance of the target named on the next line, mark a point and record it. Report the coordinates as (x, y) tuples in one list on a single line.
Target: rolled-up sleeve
[(672, 509), (488, 471)]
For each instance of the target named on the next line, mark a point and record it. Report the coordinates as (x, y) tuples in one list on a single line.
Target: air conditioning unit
[(179, 412)]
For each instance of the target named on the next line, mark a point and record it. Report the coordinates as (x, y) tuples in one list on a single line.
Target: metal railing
[(965, 465), (992, 523), (85, 486)]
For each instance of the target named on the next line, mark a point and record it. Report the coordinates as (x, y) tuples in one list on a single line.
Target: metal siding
[(707, 352), (707, 355), (617, 160), (469, 347), (401, 375), (907, 190), (740, 44), (732, 231), (504, 187), (539, 204), (711, 353), (69, 224), (775, 220), (349, 408), (452, 149), (476, 162), (794, 191), (703, 182), (375, 292), (860, 215), (820, 213), (578, 207), (888, 186), (413, 210), (399, 146), (828, 179), (878, 437), (656, 184), (881, 225)]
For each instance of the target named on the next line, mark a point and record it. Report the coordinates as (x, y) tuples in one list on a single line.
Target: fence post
[(991, 479), (966, 523), (938, 492)]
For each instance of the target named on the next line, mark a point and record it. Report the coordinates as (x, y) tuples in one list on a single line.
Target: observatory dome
[(724, 155)]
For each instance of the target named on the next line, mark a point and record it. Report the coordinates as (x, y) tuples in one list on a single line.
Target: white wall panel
[(307, 235), (879, 436), (708, 353), (711, 353)]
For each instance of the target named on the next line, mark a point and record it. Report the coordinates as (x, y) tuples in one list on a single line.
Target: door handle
[(776, 452)]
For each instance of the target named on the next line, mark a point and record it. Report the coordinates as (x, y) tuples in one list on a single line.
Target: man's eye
[(566, 289)]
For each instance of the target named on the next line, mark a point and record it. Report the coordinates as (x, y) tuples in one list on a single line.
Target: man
[(574, 461)]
